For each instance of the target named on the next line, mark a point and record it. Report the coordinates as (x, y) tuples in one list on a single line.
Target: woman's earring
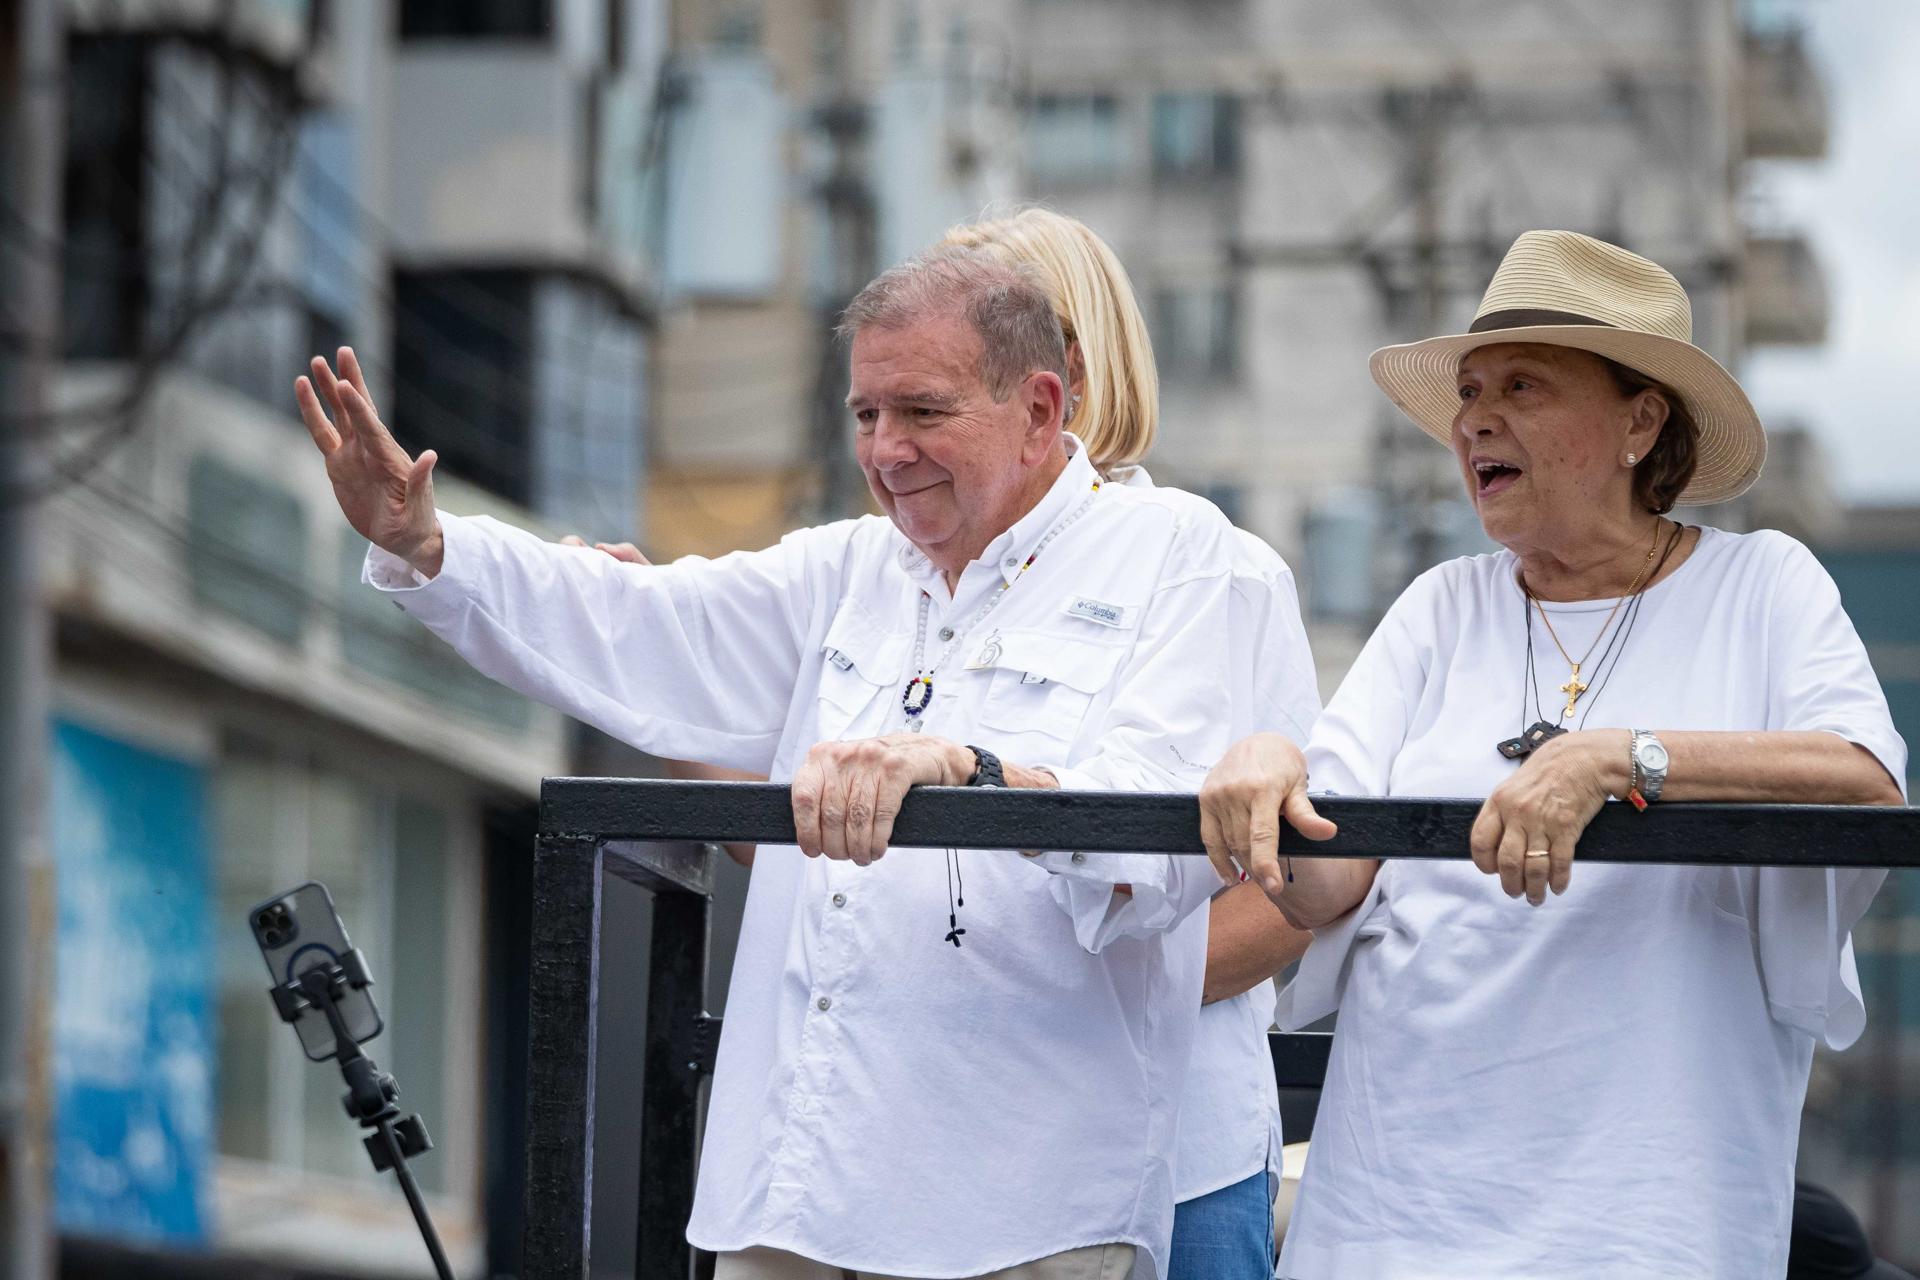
[(1632, 458)]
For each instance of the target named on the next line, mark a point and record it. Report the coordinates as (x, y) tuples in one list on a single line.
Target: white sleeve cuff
[(1166, 888), (388, 573), (1804, 933)]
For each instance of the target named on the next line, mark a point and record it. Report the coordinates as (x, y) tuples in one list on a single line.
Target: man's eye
[(922, 411)]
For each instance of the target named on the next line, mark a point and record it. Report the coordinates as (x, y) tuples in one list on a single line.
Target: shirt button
[(823, 1004), (946, 633), (1010, 562), (1079, 857), (839, 899)]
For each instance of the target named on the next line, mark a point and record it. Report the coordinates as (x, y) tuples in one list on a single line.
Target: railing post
[(562, 1017), (679, 1053)]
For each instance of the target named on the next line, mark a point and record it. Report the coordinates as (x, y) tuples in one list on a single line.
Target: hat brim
[(1422, 379)]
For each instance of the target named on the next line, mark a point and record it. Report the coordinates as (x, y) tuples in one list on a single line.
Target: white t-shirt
[(1609, 1084)]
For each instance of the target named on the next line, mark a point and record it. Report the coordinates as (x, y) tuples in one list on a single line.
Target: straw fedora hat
[(1574, 291)]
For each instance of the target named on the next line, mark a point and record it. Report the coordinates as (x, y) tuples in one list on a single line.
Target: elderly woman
[(1228, 1162), (1540, 1074)]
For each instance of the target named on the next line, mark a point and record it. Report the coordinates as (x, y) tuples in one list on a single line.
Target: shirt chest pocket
[(859, 665), (1040, 689)]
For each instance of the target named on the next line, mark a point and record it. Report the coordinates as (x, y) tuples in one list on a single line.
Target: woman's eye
[(1521, 384), (1467, 393)]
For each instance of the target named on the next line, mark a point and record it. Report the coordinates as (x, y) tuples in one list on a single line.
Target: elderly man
[(931, 1067)]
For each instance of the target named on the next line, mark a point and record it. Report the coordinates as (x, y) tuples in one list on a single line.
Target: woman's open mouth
[(1494, 476)]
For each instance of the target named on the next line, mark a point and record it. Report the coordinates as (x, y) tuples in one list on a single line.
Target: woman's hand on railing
[(1258, 783)]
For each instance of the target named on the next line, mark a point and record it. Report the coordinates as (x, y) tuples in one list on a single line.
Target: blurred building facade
[(804, 147), (457, 189), (591, 253), (1293, 183), (1861, 1131)]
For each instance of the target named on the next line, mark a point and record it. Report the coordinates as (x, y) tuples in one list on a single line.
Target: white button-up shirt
[(884, 1101)]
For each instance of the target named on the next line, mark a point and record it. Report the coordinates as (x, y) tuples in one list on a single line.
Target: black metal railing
[(640, 831)]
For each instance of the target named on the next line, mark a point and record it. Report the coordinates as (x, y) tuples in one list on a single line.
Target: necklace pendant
[(1573, 688), (1527, 743), (917, 697)]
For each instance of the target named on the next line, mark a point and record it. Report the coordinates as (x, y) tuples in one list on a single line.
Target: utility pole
[(853, 243), (32, 127)]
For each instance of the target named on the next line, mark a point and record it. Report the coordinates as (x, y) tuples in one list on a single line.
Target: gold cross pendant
[(1573, 688)]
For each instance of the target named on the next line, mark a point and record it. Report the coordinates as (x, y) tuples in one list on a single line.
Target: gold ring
[(1538, 853)]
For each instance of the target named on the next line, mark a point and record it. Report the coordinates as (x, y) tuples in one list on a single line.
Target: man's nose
[(893, 444)]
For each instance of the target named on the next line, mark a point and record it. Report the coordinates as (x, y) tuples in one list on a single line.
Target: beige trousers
[(1095, 1262)]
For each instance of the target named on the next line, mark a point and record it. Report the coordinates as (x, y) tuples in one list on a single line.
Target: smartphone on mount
[(298, 931)]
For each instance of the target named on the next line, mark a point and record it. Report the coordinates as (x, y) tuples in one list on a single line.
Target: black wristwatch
[(987, 771)]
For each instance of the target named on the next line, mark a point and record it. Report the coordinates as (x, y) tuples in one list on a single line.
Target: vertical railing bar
[(670, 1093), (563, 1020)]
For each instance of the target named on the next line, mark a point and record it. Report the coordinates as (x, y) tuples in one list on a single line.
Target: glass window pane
[(1074, 137), (246, 786), (417, 1009)]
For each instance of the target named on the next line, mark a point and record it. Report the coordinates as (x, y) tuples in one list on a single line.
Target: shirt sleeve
[(1820, 679), (1351, 752), (691, 660), (1164, 727)]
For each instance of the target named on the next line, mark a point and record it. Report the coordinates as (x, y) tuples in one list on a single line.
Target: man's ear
[(1043, 397)]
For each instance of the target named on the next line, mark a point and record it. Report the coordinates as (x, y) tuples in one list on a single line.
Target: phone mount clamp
[(372, 1094)]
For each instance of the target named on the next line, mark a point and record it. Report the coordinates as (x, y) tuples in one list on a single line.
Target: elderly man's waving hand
[(914, 1079)]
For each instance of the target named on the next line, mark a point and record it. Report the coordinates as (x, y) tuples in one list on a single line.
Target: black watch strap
[(987, 771)]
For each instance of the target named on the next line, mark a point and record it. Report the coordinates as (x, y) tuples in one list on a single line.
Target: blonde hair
[(1119, 411)]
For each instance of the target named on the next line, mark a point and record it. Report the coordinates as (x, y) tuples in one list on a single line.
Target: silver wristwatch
[(1649, 765)]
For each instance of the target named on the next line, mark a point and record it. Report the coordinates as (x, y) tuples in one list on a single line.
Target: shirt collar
[(1010, 550)]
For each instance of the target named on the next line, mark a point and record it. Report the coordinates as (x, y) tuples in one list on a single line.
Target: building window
[(247, 548), (1196, 333), (1074, 137), (426, 19), (1195, 135), (104, 249), (463, 343), (386, 859)]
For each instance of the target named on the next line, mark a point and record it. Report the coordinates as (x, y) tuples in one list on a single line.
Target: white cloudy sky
[(1861, 209)]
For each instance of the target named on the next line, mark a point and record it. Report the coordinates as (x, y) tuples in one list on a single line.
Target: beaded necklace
[(918, 694)]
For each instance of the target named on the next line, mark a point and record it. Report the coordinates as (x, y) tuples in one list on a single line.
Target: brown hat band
[(1530, 317)]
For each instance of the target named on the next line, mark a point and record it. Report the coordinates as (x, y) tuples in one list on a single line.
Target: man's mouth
[(1493, 476)]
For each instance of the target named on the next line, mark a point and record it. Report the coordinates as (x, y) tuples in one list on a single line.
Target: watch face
[(1653, 757)]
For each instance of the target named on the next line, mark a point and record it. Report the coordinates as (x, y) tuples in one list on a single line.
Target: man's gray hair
[(1006, 304)]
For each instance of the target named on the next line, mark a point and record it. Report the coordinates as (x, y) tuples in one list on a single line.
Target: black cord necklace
[(954, 903), (1543, 730)]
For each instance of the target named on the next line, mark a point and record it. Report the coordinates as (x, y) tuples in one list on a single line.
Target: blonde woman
[(1229, 1148), (1229, 1145)]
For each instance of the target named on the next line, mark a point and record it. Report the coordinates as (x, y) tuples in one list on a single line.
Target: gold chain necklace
[(1574, 686)]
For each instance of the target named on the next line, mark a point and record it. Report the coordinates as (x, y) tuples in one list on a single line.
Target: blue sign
[(133, 1030)]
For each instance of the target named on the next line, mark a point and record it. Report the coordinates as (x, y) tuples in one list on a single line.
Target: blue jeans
[(1225, 1234)]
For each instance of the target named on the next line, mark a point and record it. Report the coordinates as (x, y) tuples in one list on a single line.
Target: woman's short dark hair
[(1666, 470)]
